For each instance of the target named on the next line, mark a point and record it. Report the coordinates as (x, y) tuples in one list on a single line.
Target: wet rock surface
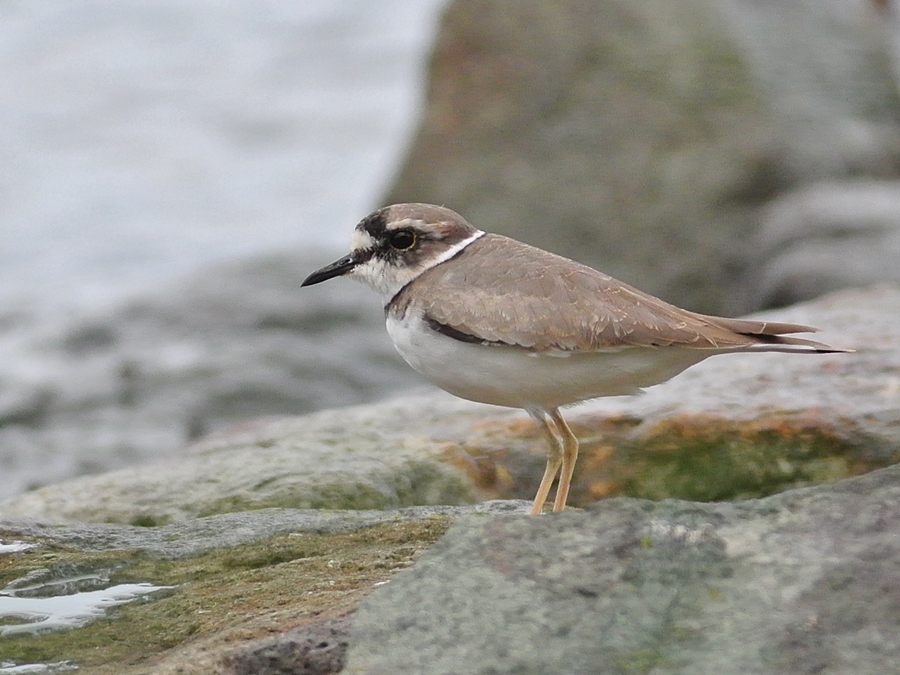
[(241, 590)]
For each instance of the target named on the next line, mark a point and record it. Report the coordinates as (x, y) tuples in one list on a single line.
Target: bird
[(494, 320)]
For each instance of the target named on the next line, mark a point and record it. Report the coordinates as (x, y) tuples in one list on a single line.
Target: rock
[(643, 137), (802, 582), (238, 342), (356, 458), (228, 530), (731, 427), (824, 237), (244, 591), (316, 649)]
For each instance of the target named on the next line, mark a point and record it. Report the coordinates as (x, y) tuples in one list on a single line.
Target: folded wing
[(545, 302)]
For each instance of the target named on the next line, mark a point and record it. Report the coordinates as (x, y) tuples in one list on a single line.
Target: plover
[(493, 320)]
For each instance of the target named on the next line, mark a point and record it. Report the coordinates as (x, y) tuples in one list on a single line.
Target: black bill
[(335, 269)]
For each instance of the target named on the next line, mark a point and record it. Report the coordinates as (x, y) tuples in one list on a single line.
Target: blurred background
[(142, 140), (171, 171)]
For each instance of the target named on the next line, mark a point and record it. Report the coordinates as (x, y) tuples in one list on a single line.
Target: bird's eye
[(402, 240)]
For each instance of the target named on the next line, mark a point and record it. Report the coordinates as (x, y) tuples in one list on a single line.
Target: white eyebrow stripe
[(414, 223)]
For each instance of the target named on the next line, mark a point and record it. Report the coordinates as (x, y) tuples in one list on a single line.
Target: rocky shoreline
[(741, 518), (255, 580)]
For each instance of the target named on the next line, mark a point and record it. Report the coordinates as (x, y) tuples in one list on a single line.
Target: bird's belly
[(515, 377)]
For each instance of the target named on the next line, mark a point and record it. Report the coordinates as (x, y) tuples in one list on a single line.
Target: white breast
[(518, 378)]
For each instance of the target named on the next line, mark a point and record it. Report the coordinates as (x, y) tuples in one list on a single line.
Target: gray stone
[(802, 582), (199, 535), (381, 456), (316, 649), (826, 236)]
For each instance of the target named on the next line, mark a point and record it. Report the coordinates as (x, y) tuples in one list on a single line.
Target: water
[(14, 547), (58, 612), (41, 601), (44, 600), (143, 140), (9, 668)]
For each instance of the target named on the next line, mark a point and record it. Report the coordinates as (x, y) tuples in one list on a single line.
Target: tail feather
[(769, 336), (779, 343)]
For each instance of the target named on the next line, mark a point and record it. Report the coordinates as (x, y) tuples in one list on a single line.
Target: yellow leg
[(569, 455), (554, 458)]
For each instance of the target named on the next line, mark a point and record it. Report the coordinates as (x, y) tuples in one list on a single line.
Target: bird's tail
[(769, 336)]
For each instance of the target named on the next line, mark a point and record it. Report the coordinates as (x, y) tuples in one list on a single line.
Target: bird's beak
[(335, 269)]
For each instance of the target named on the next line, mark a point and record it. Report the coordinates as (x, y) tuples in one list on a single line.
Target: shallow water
[(34, 668), (35, 603), (14, 547)]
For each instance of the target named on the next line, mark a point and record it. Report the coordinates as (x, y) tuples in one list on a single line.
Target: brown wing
[(545, 302)]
